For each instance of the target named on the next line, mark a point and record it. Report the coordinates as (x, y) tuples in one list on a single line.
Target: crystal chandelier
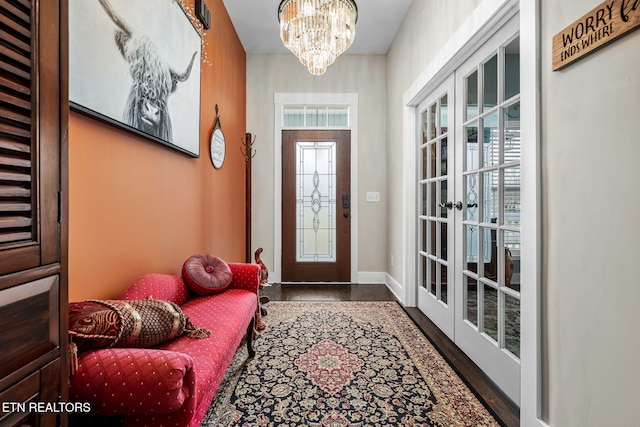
[(317, 31)]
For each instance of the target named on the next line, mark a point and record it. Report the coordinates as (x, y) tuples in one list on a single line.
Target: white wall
[(424, 31), (591, 174), (362, 74)]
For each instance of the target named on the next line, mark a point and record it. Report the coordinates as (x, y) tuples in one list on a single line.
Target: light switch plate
[(373, 196)]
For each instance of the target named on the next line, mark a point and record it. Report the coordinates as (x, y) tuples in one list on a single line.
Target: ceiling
[(256, 22)]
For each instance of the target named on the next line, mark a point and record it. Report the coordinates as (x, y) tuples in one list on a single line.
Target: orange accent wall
[(136, 206)]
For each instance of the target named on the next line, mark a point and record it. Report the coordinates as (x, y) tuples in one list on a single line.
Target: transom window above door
[(314, 116)]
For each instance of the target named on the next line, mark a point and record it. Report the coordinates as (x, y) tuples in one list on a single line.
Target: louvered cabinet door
[(29, 138), (33, 132)]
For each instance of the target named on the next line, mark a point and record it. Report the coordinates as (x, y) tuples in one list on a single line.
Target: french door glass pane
[(471, 144), (471, 302), (423, 271), (512, 196), (431, 250), (444, 156), (512, 69), (444, 212), (471, 109), (443, 284), (490, 86), (432, 208), (444, 115), (471, 248), (490, 196), (433, 272), (432, 133), (423, 236), (512, 325), (511, 130), (490, 311), (491, 147), (512, 256), (424, 155), (443, 241), (472, 191), (315, 201)]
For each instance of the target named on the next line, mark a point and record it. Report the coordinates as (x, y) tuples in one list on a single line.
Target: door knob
[(450, 205)]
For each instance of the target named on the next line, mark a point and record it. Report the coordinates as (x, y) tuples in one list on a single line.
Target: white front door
[(469, 208)]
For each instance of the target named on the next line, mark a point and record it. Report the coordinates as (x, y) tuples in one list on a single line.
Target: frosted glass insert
[(316, 201)]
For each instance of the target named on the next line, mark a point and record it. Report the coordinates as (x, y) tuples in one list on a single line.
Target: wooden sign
[(604, 24)]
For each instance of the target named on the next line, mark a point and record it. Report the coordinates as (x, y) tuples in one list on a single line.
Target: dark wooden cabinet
[(33, 209)]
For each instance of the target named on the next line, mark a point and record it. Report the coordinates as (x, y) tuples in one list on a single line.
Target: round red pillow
[(206, 274)]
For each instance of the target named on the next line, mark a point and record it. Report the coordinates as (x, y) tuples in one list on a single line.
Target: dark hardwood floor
[(500, 406)]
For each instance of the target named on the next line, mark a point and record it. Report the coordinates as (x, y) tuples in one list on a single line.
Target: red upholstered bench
[(172, 384)]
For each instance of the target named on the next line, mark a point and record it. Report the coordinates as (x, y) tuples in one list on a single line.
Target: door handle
[(450, 205)]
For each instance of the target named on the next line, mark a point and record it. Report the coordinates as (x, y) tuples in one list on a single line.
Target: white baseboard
[(370, 277), (395, 287)]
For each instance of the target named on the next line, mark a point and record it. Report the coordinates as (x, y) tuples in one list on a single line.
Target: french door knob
[(450, 205)]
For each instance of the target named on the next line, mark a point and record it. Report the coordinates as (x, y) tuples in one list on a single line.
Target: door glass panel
[(433, 271), (443, 283), (423, 236), (471, 109), (490, 193), (444, 115), (432, 206), (491, 147), (512, 325), (433, 156), (511, 116), (490, 311), (471, 248), (471, 143), (489, 256), (424, 155), (471, 191), (512, 259), (512, 197), (512, 69), (432, 240), (315, 201), (490, 86), (422, 189), (444, 212), (443, 241), (423, 271), (444, 156), (431, 130), (471, 305)]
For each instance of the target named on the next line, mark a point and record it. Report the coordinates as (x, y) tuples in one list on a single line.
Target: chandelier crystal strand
[(317, 31)]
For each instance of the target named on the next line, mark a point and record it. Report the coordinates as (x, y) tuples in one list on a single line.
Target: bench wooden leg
[(250, 335)]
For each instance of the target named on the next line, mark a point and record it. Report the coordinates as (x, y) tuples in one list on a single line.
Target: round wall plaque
[(217, 147)]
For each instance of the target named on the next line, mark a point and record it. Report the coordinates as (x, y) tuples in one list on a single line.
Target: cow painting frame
[(136, 64)]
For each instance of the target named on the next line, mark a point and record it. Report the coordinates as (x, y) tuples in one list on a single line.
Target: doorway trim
[(489, 16), (281, 100)]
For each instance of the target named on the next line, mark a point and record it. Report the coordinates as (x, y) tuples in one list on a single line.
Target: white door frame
[(281, 100), (489, 16)]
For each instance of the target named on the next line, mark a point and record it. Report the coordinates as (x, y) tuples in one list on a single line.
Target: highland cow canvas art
[(136, 64)]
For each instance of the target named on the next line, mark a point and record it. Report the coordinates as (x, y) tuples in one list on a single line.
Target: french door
[(469, 215), (436, 216)]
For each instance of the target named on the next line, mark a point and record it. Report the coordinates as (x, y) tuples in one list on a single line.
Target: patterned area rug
[(338, 364)]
